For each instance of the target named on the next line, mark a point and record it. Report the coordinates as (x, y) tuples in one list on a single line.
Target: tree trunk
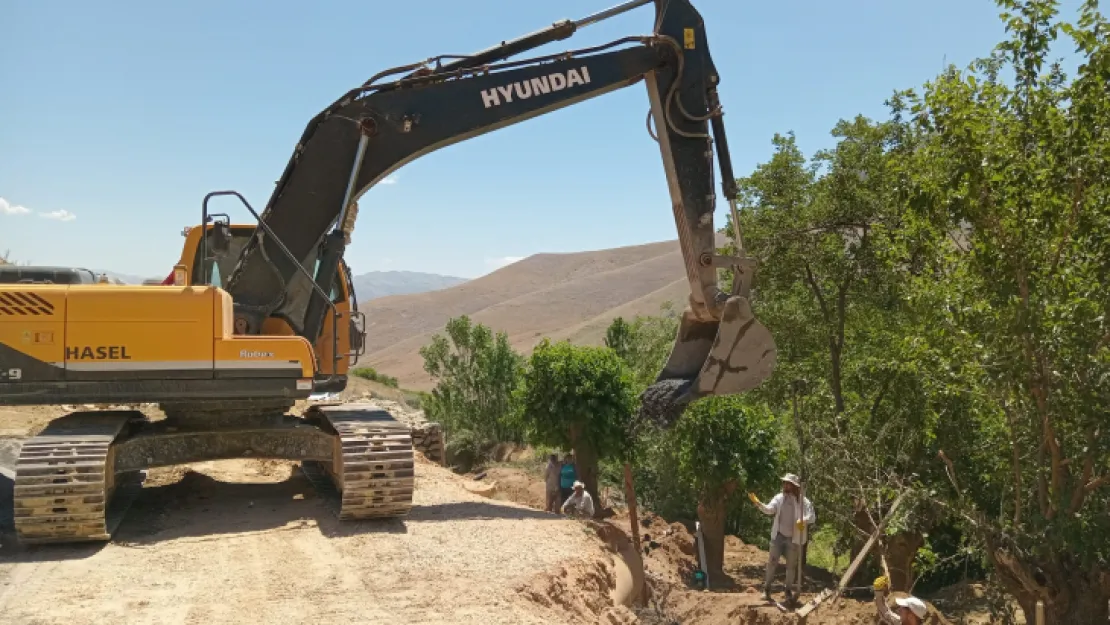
[(863, 523), (901, 549), (711, 513), (585, 465), (1087, 603), (1070, 595)]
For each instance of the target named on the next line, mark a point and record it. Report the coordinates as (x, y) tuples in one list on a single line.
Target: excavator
[(259, 316)]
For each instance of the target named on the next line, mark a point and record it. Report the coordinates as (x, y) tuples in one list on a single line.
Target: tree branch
[(1076, 201), (1079, 493), (817, 292), (829, 227), (1016, 461), (881, 394), (1037, 385), (1093, 485), (1017, 572), (951, 471)]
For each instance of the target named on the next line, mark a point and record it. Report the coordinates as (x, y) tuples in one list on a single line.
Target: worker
[(910, 610), (579, 504), (551, 480), (788, 531), (567, 476)]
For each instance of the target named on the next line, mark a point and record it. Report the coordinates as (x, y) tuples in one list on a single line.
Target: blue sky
[(119, 116)]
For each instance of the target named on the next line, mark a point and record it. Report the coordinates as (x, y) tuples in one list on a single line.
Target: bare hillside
[(562, 296)]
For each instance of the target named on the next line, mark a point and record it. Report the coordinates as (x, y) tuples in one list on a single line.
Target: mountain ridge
[(572, 296), (375, 284)]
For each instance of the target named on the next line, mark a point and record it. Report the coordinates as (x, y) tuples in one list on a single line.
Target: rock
[(484, 489)]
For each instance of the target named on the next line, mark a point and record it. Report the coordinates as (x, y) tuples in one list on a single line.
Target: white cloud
[(498, 263), (59, 215), (7, 208), (389, 180)]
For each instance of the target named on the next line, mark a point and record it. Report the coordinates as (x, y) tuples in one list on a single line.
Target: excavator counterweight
[(257, 317)]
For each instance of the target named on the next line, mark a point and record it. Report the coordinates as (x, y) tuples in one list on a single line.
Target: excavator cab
[(341, 340)]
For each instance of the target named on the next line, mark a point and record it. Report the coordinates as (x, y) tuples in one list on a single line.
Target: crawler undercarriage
[(76, 479)]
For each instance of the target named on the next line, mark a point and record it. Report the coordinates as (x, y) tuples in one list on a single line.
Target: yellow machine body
[(100, 342), (68, 338)]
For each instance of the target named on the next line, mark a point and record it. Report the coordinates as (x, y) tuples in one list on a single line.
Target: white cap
[(917, 606), (578, 484)]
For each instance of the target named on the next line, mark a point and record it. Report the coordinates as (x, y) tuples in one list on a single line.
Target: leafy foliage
[(644, 344), (580, 398), (724, 444), (476, 374), (369, 373), (618, 337), (936, 283), (830, 288), (1009, 193), (720, 446)]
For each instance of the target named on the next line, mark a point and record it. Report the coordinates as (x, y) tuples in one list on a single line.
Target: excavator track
[(372, 475), (65, 487)]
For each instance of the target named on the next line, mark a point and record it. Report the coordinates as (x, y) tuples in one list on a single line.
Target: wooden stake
[(847, 577), (814, 602), (630, 498)]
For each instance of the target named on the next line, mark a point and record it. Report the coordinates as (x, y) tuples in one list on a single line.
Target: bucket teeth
[(376, 474)]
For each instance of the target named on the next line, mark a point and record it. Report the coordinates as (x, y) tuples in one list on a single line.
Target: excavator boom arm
[(379, 127)]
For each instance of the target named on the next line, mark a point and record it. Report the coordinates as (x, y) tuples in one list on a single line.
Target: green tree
[(1009, 192), (830, 287), (578, 397), (476, 373), (644, 344), (719, 447), (618, 336)]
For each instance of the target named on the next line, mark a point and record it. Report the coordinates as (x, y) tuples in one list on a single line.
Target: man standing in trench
[(788, 531), (551, 480)]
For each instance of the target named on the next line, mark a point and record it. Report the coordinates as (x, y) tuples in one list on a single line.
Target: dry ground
[(249, 542), (562, 296), (671, 562)]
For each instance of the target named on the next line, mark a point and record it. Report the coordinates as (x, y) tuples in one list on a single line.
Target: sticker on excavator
[(688, 38)]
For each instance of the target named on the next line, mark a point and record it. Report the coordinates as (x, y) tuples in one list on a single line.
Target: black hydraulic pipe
[(728, 182), (558, 31)]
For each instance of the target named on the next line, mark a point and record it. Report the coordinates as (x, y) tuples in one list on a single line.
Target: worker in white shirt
[(580, 503), (788, 531), (910, 610)]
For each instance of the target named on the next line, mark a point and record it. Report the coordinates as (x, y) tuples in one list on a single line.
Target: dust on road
[(244, 541)]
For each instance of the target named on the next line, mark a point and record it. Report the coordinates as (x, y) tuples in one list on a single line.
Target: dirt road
[(250, 542)]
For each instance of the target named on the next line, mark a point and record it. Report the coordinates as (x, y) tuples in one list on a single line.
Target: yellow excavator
[(256, 317)]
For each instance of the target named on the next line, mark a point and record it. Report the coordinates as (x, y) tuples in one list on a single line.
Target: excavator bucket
[(727, 357)]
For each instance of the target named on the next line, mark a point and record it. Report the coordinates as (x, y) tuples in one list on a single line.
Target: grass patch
[(414, 399), (370, 373), (820, 552)]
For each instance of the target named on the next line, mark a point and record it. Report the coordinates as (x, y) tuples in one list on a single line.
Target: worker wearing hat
[(789, 531), (579, 504), (909, 610)]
